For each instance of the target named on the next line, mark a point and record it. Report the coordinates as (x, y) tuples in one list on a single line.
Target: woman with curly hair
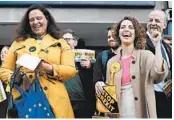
[(136, 70)]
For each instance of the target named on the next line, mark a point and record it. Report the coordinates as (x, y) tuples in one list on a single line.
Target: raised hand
[(155, 36)]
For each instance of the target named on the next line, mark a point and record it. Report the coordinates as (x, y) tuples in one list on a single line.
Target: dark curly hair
[(24, 30), (140, 34)]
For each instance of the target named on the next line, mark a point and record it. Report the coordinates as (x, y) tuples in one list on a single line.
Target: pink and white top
[(126, 70)]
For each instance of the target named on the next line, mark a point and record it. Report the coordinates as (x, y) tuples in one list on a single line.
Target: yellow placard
[(107, 101)]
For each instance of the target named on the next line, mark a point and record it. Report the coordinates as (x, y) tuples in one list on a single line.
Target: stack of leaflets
[(2, 92), (28, 61)]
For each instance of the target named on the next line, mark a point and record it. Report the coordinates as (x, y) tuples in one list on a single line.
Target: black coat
[(86, 76), (99, 71)]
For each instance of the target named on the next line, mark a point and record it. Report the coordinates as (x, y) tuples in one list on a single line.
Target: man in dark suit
[(155, 27), (80, 88)]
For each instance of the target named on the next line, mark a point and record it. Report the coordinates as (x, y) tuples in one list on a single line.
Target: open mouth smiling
[(126, 34)]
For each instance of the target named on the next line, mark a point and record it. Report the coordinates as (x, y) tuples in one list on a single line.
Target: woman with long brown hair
[(38, 35)]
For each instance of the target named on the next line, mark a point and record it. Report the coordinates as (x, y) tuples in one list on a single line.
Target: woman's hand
[(85, 63), (44, 66), (99, 87)]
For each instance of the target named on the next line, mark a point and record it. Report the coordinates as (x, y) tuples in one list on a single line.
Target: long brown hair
[(24, 30)]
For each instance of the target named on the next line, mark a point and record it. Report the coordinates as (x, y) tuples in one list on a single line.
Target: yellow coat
[(60, 56)]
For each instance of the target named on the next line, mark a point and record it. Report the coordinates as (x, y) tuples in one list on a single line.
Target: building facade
[(89, 19)]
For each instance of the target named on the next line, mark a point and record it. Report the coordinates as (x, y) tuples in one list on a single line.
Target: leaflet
[(28, 61), (2, 92)]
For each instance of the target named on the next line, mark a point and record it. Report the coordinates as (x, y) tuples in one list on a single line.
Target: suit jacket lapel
[(149, 42), (169, 52)]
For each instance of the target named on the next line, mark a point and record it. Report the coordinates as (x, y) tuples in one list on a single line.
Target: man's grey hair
[(162, 13), (71, 32)]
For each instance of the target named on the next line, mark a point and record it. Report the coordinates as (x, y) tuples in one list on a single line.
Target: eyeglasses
[(68, 39)]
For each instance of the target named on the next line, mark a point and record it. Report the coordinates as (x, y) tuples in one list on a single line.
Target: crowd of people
[(142, 73)]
